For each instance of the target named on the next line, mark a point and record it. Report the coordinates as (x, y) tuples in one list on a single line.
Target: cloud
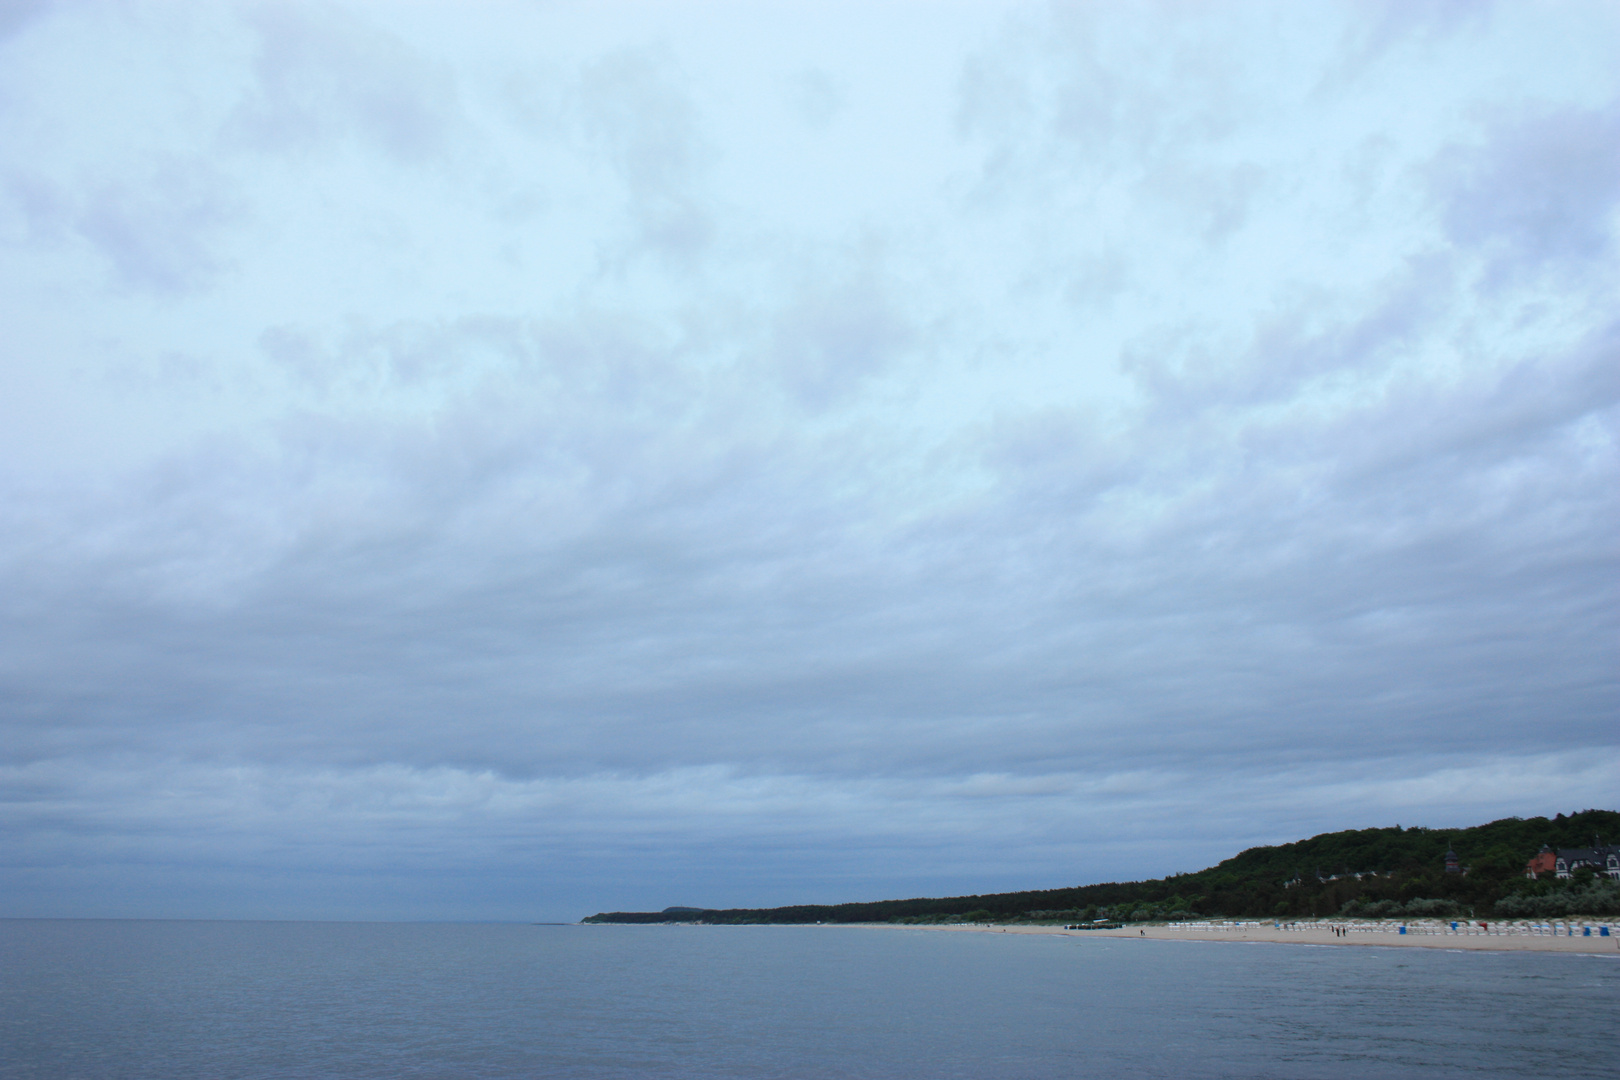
[(323, 75), (830, 342), (1540, 191), (159, 234), (814, 98), (515, 451), (633, 108), (15, 15)]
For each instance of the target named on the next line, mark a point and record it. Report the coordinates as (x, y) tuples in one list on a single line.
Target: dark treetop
[(1379, 872)]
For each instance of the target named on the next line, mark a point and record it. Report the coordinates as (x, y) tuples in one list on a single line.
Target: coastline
[(1307, 934)]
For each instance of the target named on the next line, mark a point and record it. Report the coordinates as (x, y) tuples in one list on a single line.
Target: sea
[(218, 1000)]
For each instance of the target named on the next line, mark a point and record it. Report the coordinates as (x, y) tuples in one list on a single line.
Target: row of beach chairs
[(1461, 928)]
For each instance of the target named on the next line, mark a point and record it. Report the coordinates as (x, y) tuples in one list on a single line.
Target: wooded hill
[(1384, 872)]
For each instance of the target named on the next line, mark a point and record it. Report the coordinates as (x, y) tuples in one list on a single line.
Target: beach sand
[(1322, 934)]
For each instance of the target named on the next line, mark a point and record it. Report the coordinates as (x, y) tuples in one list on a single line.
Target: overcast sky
[(520, 460)]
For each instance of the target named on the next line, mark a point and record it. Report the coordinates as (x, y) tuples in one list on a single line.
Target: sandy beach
[(1323, 934)]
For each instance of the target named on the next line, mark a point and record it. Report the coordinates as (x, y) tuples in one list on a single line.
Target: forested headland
[(1389, 872)]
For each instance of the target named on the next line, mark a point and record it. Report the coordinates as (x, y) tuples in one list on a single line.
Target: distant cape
[(1389, 871)]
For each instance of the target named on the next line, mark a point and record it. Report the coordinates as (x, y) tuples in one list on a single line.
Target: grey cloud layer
[(482, 489)]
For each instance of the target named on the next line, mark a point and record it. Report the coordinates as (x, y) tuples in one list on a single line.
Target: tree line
[(1388, 872)]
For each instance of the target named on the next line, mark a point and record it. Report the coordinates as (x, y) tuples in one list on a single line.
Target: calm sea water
[(332, 1000)]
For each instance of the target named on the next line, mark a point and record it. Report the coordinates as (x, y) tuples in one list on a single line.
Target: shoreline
[(1306, 934)]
